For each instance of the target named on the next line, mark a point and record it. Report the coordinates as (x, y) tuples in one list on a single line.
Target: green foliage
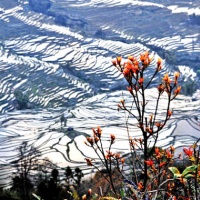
[(22, 100), (8, 195), (189, 87), (175, 172), (122, 193), (170, 57), (36, 196), (189, 170), (187, 173)]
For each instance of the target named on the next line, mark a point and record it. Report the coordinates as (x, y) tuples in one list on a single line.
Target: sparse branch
[(156, 110), (150, 81)]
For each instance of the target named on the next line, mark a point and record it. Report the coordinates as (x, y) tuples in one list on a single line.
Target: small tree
[(150, 126), (55, 174), (51, 188), (27, 162), (69, 175), (78, 175), (155, 161)]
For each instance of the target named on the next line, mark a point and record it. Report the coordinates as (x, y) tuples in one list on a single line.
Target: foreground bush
[(153, 174)]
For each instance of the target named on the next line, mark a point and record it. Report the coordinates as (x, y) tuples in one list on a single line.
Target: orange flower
[(89, 161), (172, 148), (122, 160), (159, 61), (114, 62), (188, 152), (117, 155), (90, 140), (149, 130), (119, 106), (142, 57), (130, 89), (131, 58), (157, 150), (169, 113), (130, 68), (145, 59), (168, 154), (126, 72), (177, 91), (135, 68), (176, 75), (140, 81), (128, 65), (158, 153), (119, 59), (158, 124), (96, 139), (162, 164), (122, 101), (166, 79), (159, 67), (136, 63), (97, 132), (149, 162), (112, 136), (161, 88), (109, 155), (140, 186)]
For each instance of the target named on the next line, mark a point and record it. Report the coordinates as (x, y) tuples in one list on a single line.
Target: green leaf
[(177, 176), (190, 169), (175, 171), (37, 197), (189, 176), (122, 193)]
